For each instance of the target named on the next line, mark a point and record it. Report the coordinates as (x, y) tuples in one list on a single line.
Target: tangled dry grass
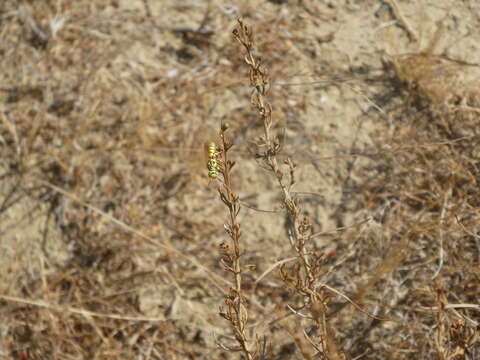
[(116, 245)]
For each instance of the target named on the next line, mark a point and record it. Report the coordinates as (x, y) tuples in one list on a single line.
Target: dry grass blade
[(86, 313), (132, 230)]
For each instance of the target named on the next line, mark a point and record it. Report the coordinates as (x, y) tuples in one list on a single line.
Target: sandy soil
[(129, 96)]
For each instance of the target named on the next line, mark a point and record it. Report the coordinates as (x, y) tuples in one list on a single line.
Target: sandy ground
[(149, 85)]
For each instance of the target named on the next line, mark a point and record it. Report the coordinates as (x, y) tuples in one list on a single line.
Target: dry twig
[(236, 312), (304, 274)]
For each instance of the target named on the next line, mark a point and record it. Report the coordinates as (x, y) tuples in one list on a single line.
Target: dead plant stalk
[(304, 274), (236, 311)]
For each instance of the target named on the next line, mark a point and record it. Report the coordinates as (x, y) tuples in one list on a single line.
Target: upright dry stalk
[(270, 145), (304, 274), (236, 311)]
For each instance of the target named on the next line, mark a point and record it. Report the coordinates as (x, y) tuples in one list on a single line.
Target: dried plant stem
[(236, 311), (260, 83), (402, 19), (304, 274)]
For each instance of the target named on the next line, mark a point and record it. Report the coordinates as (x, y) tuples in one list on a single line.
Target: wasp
[(213, 162)]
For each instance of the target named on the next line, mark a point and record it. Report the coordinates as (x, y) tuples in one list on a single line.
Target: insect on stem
[(213, 162)]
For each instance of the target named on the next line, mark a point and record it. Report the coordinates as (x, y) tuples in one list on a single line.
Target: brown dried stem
[(303, 275), (236, 312)]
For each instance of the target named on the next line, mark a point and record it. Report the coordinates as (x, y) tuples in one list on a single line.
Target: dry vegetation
[(116, 245)]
